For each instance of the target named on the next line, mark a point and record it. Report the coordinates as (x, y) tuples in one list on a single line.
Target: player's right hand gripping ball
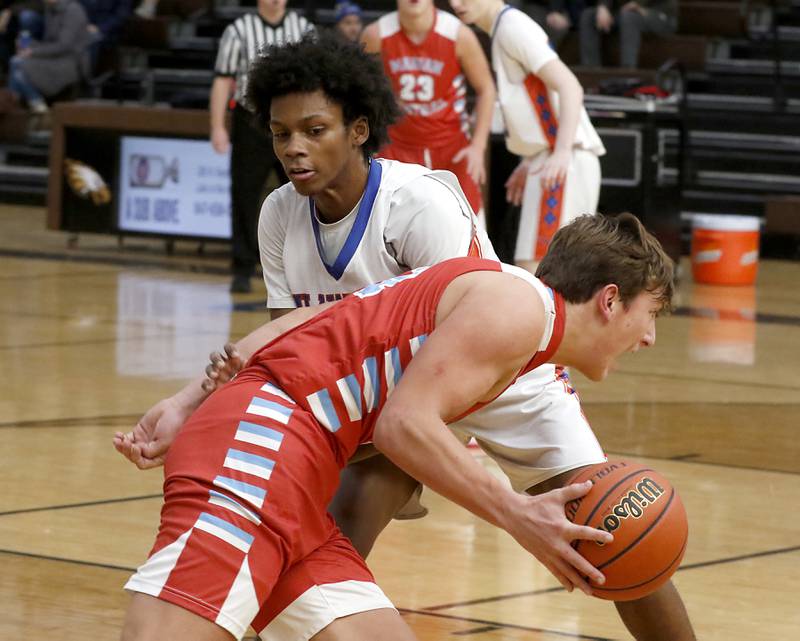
[(647, 518)]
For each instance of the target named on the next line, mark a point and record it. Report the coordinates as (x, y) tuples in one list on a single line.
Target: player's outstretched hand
[(539, 524), (476, 165), (146, 444), (222, 368), (554, 170)]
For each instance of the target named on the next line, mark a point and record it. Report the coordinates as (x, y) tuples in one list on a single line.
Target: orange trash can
[(725, 249)]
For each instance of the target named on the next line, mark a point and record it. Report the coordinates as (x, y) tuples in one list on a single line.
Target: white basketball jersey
[(417, 217), (520, 48)]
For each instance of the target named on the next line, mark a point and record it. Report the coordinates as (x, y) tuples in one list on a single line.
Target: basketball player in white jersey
[(535, 431), (558, 177)]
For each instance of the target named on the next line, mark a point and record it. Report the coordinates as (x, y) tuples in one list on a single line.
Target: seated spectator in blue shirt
[(43, 69)]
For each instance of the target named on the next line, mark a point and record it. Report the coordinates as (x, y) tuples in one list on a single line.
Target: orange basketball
[(647, 518)]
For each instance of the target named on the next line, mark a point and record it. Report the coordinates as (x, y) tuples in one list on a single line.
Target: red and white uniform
[(520, 49), (431, 88), (244, 529)]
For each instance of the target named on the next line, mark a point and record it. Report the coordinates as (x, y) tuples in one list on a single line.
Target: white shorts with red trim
[(544, 212), (535, 430)]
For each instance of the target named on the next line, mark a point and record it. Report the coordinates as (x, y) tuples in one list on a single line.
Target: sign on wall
[(174, 186)]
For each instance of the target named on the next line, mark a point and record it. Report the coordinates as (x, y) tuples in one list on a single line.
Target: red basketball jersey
[(342, 364), (427, 80)]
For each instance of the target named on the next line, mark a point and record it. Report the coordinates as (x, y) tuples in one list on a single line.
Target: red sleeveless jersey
[(427, 80), (342, 364)]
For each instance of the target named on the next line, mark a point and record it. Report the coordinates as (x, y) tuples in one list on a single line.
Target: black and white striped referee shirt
[(246, 36)]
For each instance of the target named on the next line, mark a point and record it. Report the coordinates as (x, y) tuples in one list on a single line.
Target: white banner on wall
[(174, 186)]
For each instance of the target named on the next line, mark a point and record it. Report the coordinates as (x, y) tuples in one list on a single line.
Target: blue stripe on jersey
[(240, 487), (371, 370), (393, 368), (416, 343), (240, 534), (397, 366), (217, 498), (253, 459), (260, 430), (350, 391), (323, 409)]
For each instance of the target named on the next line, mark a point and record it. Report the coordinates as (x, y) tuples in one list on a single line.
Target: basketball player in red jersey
[(244, 531), (427, 53)]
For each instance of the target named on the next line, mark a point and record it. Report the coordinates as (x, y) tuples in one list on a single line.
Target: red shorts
[(440, 157), (245, 536)]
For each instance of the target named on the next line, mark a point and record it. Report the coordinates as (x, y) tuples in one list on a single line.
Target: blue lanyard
[(359, 226)]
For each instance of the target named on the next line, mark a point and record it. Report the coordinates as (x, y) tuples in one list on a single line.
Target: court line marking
[(695, 461), (758, 317), (27, 278), (121, 568), (690, 566), (478, 630), (61, 559), (68, 506), (435, 610), (701, 379), (513, 626), (100, 341), (72, 421), (122, 261)]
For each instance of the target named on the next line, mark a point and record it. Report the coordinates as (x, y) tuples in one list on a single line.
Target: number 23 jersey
[(427, 80)]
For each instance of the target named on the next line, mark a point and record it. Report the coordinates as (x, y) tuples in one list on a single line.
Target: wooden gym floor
[(92, 335)]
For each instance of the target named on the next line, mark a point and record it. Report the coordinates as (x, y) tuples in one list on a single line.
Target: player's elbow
[(394, 431)]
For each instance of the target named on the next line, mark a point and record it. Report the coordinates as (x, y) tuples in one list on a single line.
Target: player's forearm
[(426, 450), (484, 108), (570, 100), (218, 101)]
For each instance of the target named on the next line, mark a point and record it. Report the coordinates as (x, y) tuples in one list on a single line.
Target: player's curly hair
[(344, 71), (593, 251)]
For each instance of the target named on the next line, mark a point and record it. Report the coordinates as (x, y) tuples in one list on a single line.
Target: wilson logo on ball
[(633, 504)]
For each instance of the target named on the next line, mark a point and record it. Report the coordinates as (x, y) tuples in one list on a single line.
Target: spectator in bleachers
[(348, 20), (46, 67), (17, 18), (556, 17), (252, 157), (659, 17), (106, 20)]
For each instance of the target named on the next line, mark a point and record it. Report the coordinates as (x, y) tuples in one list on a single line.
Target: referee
[(252, 157)]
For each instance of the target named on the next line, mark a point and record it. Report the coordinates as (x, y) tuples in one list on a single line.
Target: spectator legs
[(589, 38), (252, 160), (631, 26), (20, 85)]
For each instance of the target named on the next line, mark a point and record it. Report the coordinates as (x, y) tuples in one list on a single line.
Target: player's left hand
[(476, 167), (222, 368), (515, 185), (554, 170), (147, 443)]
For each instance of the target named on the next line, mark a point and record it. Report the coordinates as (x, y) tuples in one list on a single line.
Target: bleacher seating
[(738, 159)]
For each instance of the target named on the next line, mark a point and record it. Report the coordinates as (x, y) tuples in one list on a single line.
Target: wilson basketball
[(647, 518)]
